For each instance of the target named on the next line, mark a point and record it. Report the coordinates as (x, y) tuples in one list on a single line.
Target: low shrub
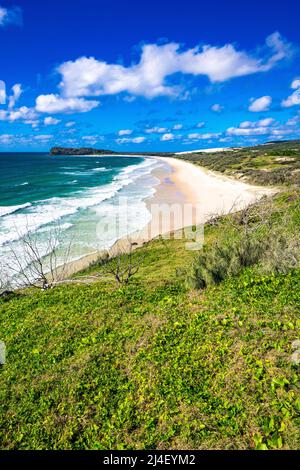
[(224, 260), (260, 235)]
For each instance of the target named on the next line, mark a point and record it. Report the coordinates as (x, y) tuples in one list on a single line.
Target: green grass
[(155, 364)]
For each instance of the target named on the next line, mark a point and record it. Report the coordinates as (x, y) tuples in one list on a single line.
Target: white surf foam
[(5, 210), (17, 224)]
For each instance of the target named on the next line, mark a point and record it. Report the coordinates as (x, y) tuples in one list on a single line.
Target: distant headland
[(79, 151), (92, 151)]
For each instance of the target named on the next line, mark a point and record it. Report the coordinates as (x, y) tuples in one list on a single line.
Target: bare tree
[(39, 265), (122, 263), (5, 287)]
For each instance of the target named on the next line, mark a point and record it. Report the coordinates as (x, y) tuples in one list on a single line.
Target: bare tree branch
[(123, 264), (39, 265)]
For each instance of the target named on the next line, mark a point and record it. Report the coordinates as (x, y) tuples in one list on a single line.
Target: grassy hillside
[(158, 363), (275, 163), (154, 364)]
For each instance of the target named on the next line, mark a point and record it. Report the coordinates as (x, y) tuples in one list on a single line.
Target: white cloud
[(10, 16), (293, 121), (238, 131), (2, 92), (260, 104), (16, 93), (294, 98), (135, 140), (200, 124), (88, 76), (3, 15), (217, 108), (50, 121), (34, 123), (138, 140), (70, 131), (295, 84), (207, 136), (129, 99), (57, 104), (245, 124), (177, 127), (262, 123), (21, 139), (92, 139), (43, 137), (156, 130), (266, 122), (6, 139), (263, 127), (125, 132), (24, 113), (70, 123), (167, 137)]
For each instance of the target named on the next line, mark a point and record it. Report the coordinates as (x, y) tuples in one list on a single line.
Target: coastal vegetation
[(80, 151), (274, 163), (195, 351), (91, 151)]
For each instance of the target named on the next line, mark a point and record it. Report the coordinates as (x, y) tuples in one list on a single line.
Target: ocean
[(89, 201)]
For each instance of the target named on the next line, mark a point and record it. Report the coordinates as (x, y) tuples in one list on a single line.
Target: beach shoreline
[(181, 185)]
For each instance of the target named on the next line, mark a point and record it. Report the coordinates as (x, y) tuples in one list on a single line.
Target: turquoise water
[(81, 197)]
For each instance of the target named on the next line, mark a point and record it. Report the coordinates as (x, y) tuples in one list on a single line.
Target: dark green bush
[(259, 236), (224, 260)]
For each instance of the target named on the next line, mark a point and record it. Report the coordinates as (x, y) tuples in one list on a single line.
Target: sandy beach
[(185, 195)]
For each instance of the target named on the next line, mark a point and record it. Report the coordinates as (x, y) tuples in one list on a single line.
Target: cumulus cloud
[(138, 140), (57, 104), (92, 139), (294, 98), (177, 127), (125, 132), (88, 76), (2, 92), (6, 139), (10, 16), (156, 130), (249, 128), (217, 108), (135, 140), (207, 136), (21, 139), (70, 123), (24, 113), (16, 93), (295, 84), (3, 14), (50, 121), (129, 99), (166, 137), (293, 121), (260, 104), (266, 122), (263, 127), (261, 123), (238, 131), (43, 137), (200, 124)]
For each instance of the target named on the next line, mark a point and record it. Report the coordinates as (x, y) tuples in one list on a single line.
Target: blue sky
[(148, 76)]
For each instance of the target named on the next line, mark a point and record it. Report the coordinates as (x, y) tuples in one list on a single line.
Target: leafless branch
[(123, 264), (39, 265)]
